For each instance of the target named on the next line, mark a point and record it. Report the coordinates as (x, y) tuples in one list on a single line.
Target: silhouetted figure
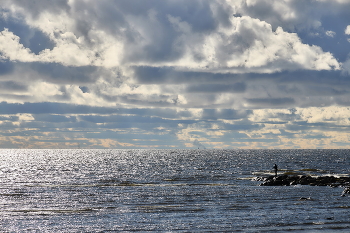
[(275, 168)]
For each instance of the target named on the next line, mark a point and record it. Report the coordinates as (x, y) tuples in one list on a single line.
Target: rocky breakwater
[(285, 180)]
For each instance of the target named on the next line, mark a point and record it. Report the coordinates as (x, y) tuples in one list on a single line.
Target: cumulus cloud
[(11, 48), (232, 73), (347, 30), (162, 36)]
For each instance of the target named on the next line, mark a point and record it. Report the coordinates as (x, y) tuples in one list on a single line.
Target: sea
[(198, 190)]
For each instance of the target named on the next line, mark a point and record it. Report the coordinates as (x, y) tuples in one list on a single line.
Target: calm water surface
[(168, 190)]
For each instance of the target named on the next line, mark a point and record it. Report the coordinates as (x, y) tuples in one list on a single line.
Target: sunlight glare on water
[(168, 190)]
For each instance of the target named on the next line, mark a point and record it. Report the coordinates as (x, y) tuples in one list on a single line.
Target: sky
[(175, 74)]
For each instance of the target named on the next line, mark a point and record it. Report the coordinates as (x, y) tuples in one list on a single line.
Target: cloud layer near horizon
[(174, 74)]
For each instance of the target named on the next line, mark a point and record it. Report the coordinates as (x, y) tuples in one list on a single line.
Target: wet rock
[(305, 199), (346, 191), (285, 180)]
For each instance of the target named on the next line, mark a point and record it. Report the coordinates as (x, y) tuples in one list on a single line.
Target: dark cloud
[(37, 7), (316, 136), (173, 72), (58, 73), (16, 97), (282, 118), (238, 82), (242, 125), (149, 75), (6, 67), (271, 102), (227, 114), (54, 118), (168, 113), (304, 126), (60, 126), (151, 100), (51, 108), (49, 72), (170, 75), (154, 29), (61, 108), (136, 120), (9, 118), (326, 91), (345, 101), (12, 86), (217, 88), (107, 17), (319, 78)]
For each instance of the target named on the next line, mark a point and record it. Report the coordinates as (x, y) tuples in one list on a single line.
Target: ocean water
[(169, 191)]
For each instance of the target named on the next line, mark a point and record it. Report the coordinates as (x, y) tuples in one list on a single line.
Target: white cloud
[(205, 71), (330, 33), (11, 48), (332, 114), (248, 44), (347, 30), (69, 50), (25, 117)]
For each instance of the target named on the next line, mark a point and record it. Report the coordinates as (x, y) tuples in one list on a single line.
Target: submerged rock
[(305, 199), (285, 180)]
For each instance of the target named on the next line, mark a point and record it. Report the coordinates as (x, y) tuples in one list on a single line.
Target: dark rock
[(276, 181), (346, 191), (335, 185), (304, 198), (285, 180), (294, 182), (283, 177)]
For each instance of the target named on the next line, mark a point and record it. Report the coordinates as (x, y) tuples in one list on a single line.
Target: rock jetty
[(285, 180)]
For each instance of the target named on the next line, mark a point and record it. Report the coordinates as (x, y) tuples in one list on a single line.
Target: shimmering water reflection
[(168, 190)]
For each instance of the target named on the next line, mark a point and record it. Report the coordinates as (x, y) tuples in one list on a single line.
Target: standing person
[(275, 168)]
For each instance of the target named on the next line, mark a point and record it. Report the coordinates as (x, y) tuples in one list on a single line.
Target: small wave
[(170, 208), (342, 207), (192, 178), (41, 211), (111, 180), (238, 207), (13, 194)]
